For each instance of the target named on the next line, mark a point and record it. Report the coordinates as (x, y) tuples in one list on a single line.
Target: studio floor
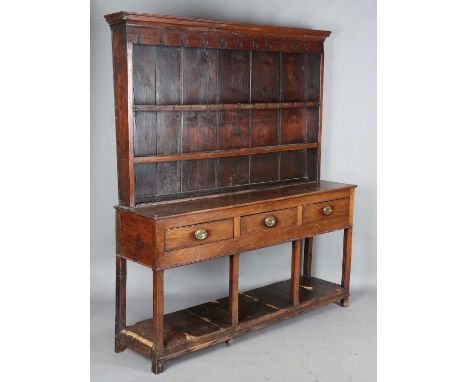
[(330, 344)]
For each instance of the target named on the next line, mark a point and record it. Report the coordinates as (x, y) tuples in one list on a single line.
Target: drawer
[(268, 221), (326, 211), (198, 234)]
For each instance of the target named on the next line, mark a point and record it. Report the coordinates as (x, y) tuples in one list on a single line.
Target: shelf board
[(228, 106), (207, 324), (225, 153)]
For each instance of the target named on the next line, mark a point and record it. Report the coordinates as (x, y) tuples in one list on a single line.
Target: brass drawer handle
[(327, 210), (270, 221), (201, 234)]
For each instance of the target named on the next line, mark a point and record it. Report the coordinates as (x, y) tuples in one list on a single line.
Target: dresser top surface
[(155, 20), (211, 203)]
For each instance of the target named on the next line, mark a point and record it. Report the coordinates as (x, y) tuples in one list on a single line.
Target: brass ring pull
[(270, 221), (327, 210), (201, 234)]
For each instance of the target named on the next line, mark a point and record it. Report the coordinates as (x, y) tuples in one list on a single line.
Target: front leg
[(346, 267), (120, 301), (158, 321)]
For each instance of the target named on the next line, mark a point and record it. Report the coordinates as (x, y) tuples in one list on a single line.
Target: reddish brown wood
[(255, 224), (185, 333), (295, 271), (217, 207), (222, 153), (177, 79), (346, 268), (307, 263), (158, 325), (218, 130), (339, 211), (135, 237), (234, 289), (347, 249), (184, 23), (121, 54), (185, 236)]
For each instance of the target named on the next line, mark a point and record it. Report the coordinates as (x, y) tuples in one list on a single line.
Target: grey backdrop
[(348, 155)]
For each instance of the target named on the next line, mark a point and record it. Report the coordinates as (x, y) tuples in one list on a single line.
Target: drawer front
[(336, 210), (198, 234), (268, 221)]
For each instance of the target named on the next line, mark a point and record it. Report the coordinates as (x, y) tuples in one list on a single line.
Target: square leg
[(307, 258), (120, 301), (346, 265), (158, 320)]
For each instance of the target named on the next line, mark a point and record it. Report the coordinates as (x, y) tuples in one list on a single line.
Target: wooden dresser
[(218, 148)]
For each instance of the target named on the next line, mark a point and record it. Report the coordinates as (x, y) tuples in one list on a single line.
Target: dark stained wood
[(234, 289), (232, 171), (199, 132), (293, 126), (200, 73), (120, 301), (288, 167), (313, 76), (264, 128), (223, 153), (313, 124), (264, 168), (219, 129), (146, 184), (313, 164), (265, 77), (233, 76), (175, 80), (233, 130), (295, 272), (224, 40), (315, 191), (307, 258), (123, 113), (198, 174), (228, 106), (292, 77), (199, 25)]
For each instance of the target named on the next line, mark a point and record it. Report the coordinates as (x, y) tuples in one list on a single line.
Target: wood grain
[(314, 212), (222, 153), (307, 263), (184, 236), (229, 106), (295, 272), (255, 224), (234, 289)]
